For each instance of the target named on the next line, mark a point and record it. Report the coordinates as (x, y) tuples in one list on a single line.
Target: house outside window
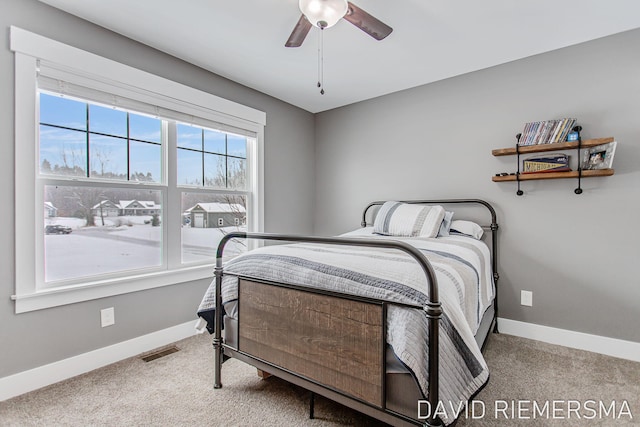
[(50, 211), (120, 160)]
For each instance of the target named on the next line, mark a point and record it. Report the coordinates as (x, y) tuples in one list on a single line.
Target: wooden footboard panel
[(333, 341)]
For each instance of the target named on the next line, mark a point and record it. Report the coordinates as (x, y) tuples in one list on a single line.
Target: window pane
[(236, 173), (201, 214), (107, 120), (214, 141), (92, 231), (214, 167), (59, 111), (145, 161), (145, 128), (237, 146), (108, 157), (189, 137), (62, 151), (189, 167)]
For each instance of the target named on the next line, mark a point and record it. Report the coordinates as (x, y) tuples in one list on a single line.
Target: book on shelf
[(556, 128), (546, 132), (565, 131)]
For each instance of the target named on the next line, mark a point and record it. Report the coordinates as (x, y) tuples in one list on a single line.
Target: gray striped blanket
[(466, 289)]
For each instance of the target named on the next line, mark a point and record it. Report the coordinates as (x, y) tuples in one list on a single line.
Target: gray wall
[(37, 338), (578, 254)]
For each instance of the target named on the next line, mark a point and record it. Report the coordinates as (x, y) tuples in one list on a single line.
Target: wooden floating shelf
[(541, 148), (587, 173)]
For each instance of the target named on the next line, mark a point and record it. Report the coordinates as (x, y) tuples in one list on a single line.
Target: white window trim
[(31, 50)]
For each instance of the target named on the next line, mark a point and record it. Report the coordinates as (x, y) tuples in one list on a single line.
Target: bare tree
[(87, 198), (102, 157), (103, 164), (218, 178), (238, 207)]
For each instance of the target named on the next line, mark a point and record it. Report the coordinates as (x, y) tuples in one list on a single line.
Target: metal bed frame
[(432, 309)]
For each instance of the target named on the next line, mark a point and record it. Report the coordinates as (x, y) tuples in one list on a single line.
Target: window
[(115, 228), (135, 181), (82, 139), (210, 158)]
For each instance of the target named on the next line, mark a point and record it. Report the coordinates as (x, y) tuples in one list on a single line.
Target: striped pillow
[(405, 220)]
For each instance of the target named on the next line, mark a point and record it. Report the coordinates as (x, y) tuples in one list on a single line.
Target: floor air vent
[(159, 353)]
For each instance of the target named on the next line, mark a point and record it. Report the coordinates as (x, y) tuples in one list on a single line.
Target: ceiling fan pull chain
[(319, 49), (321, 60)]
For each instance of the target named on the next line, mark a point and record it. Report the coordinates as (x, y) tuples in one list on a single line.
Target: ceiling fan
[(326, 13)]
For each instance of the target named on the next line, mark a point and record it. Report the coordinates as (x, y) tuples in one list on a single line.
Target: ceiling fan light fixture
[(323, 13)]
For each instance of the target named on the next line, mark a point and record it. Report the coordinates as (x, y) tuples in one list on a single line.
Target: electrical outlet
[(107, 317), (526, 298)]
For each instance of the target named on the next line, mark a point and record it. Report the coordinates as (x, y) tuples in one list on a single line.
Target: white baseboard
[(598, 344), (33, 379)]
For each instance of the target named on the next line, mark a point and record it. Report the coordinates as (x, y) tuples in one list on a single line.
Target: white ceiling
[(243, 40)]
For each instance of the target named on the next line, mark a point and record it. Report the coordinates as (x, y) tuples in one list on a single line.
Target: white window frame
[(34, 53)]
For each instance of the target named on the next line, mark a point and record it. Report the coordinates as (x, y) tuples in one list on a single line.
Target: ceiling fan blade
[(299, 32), (367, 23)]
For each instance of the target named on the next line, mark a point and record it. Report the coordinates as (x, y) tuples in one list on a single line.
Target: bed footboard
[(333, 341), (364, 387)]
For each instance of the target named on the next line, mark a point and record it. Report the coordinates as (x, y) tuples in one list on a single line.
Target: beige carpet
[(176, 390)]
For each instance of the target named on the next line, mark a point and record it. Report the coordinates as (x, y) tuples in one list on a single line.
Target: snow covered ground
[(123, 243)]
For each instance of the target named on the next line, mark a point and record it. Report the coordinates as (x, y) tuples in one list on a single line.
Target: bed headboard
[(493, 225)]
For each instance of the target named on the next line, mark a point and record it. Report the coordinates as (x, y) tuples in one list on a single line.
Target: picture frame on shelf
[(599, 157)]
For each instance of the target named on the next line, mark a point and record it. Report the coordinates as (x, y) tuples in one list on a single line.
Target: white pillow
[(468, 228), (406, 220), (446, 224)]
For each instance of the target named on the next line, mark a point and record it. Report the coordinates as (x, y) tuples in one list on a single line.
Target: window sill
[(61, 296)]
